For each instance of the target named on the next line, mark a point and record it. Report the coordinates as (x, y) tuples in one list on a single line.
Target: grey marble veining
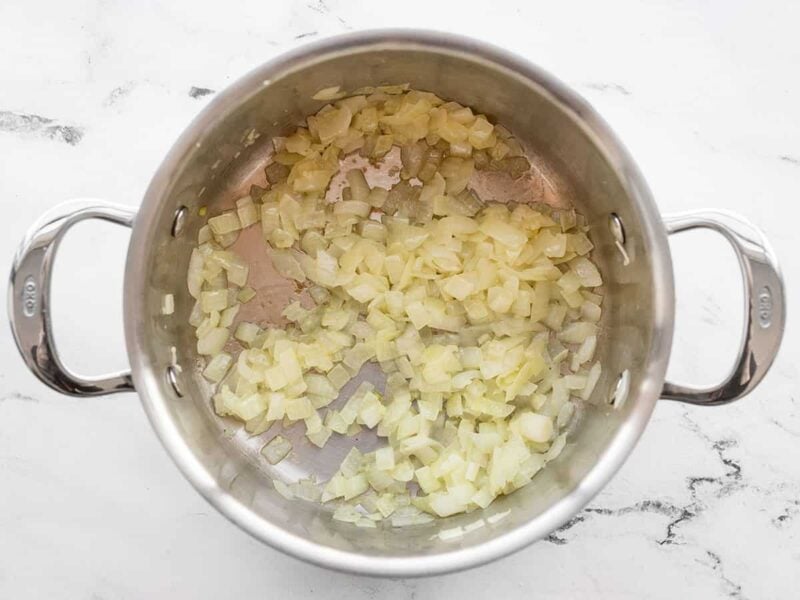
[(93, 93)]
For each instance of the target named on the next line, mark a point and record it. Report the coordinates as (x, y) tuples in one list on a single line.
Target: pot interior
[(227, 148)]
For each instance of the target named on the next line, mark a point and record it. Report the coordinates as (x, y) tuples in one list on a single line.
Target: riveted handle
[(29, 298), (765, 308)]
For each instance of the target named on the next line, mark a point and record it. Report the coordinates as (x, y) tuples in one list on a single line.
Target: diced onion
[(276, 449), (283, 489), (168, 304), (483, 317), (194, 276), (225, 223), (246, 294), (218, 367), (286, 264), (246, 211), (535, 427), (213, 341), (328, 93), (591, 380)]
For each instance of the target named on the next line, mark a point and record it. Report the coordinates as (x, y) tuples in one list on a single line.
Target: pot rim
[(155, 404)]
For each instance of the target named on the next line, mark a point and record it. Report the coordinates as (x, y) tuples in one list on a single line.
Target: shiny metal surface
[(29, 298), (215, 160), (211, 163), (764, 305)]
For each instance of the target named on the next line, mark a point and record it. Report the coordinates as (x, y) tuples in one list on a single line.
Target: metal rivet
[(172, 378), (616, 227), (620, 393), (179, 221), (618, 233)]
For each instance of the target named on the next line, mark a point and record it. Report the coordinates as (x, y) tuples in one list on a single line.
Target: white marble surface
[(705, 95)]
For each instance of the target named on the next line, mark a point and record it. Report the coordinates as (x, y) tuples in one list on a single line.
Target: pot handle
[(765, 308), (29, 298)]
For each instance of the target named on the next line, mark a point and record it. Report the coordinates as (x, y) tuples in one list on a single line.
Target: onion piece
[(167, 304), (283, 489), (227, 222), (218, 367), (213, 341), (276, 449), (591, 381), (329, 93), (194, 277), (245, 295), (587, 272), (287, 265)]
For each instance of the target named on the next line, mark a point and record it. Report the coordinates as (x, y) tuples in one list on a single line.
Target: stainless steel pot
[(217, 152)]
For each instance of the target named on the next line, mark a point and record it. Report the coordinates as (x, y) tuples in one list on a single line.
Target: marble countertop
[(706, 97)]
